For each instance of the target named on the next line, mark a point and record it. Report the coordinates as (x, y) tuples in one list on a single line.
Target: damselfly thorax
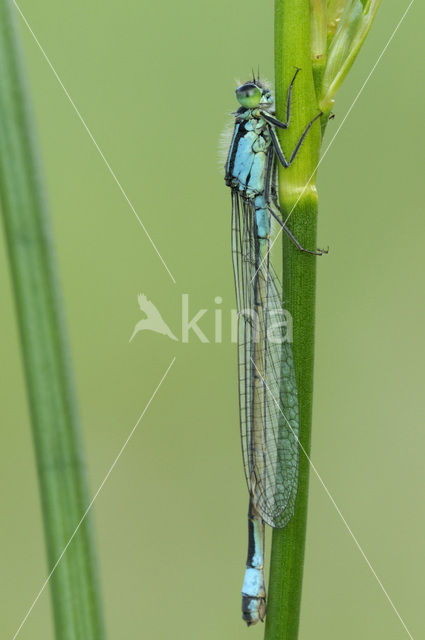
[(246, 165)]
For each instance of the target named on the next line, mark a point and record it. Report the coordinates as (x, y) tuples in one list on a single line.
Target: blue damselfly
[(267, 384)]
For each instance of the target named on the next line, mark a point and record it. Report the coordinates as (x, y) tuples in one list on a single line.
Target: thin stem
[(55, 424), (292, 48)]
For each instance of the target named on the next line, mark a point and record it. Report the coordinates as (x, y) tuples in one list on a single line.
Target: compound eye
[(248, 95)]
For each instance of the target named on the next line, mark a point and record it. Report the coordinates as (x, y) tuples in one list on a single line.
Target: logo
[(278, 321), (153, 320)]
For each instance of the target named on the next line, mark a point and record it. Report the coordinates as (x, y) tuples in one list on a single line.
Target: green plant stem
[(292, 48), (56, 432)]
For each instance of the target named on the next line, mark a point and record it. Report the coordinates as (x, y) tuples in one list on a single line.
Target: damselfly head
[(253, 94)]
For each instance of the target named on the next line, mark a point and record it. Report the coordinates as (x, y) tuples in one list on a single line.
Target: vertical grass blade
[(56, 431), (292, 48)]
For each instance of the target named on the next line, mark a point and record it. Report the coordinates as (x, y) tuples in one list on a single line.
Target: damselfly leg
[(272, 119), (279, 151), (272, 205)]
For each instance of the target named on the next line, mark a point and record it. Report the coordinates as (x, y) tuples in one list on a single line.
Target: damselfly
[(267, 385)]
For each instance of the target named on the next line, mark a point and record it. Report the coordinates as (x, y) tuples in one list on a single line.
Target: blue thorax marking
[(246, 164)]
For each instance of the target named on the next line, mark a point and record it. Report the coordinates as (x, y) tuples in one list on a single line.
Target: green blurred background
[(155, 83)]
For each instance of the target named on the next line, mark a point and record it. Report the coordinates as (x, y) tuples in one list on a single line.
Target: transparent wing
[(267, 384)]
